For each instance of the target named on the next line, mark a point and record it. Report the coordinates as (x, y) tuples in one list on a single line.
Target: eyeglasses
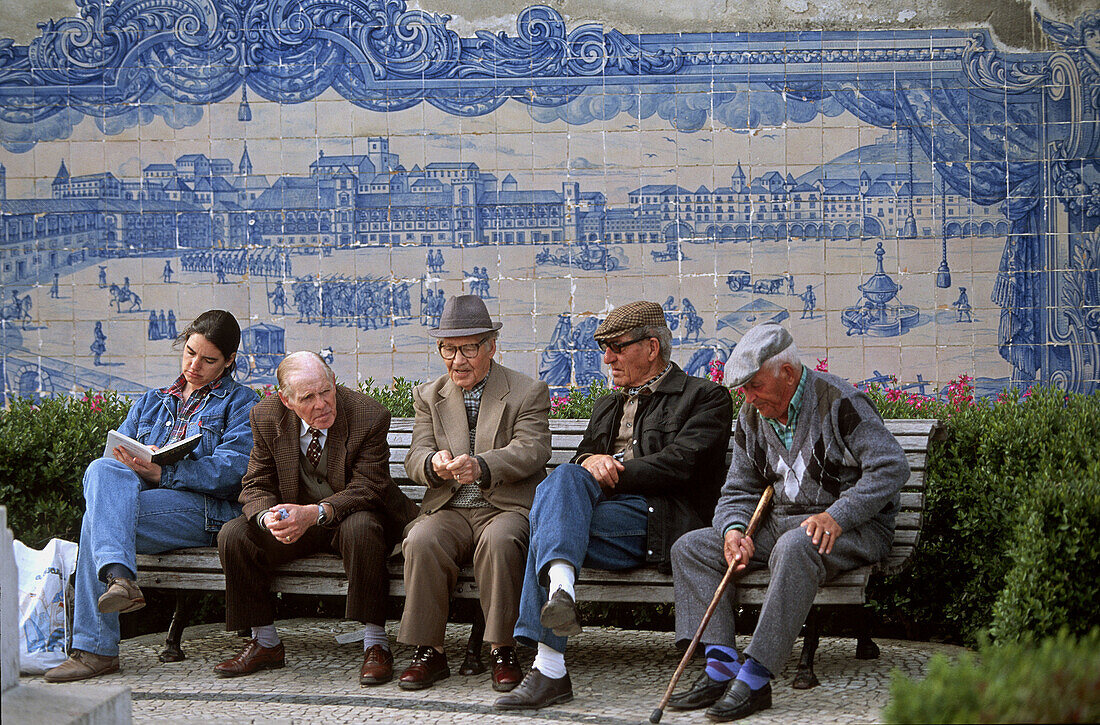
[(618, 347), (447, 352)]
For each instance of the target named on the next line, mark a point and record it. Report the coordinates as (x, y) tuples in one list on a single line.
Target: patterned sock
[(266, 636), (550, 662), (722, 664), (375, 634), (119, 570), (754, 674), (562, 576)]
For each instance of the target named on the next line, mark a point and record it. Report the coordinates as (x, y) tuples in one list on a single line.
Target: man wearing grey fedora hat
[(648, 468), (480, 443), (837, 475)]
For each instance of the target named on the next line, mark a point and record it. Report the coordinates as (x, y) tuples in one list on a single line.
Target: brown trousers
[(437, 545), (249, 555)]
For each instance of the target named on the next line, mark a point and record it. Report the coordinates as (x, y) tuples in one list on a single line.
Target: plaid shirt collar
[(472, 398), (176, 389), (186, 409), (647, 385)]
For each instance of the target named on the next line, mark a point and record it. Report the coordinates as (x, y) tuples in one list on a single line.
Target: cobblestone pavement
[(618, 677)]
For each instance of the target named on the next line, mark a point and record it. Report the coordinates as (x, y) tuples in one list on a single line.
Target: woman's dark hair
[(220, 328)]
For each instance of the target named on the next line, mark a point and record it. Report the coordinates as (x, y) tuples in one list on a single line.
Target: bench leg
[(866, 649), (804, 678), (472, 664), (185, 607)]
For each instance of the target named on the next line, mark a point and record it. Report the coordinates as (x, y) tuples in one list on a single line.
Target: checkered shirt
[(469, 494), (186, 409)]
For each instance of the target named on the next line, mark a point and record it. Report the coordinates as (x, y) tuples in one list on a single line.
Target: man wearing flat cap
[(480, 443), (648, 468), (837, 474)]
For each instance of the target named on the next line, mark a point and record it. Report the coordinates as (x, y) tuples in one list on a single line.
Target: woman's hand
[(147, 471)]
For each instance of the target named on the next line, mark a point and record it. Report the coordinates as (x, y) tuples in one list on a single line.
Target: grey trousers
[(437, 545), (797, 570)]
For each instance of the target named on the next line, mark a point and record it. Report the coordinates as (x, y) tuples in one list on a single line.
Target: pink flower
[(717, 371), (822, 364)]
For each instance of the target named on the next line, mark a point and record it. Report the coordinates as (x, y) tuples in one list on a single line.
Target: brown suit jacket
[(512, 436), (358, 459)]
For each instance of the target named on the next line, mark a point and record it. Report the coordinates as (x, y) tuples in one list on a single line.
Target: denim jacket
[(215, 468)]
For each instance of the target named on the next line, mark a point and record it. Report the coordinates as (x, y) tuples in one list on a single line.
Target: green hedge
[(1053, 681)]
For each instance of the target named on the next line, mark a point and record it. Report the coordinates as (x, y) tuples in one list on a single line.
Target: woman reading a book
[(133, 506)]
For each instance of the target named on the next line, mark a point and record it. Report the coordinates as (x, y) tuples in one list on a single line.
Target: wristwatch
[(322, 517)]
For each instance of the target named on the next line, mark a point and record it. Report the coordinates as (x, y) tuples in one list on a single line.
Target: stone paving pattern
[(618, 677)]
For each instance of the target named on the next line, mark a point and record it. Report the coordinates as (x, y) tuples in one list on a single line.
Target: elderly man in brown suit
[(480, 444), (318, 480)]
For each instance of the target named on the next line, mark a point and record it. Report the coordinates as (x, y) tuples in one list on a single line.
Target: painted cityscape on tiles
[(915, 204)]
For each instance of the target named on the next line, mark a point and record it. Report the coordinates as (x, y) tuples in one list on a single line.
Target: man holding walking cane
[(837, 474)]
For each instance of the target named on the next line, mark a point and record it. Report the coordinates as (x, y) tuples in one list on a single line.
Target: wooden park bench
[(192, 570)]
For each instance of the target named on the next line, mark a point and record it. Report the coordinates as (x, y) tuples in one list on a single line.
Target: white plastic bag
[(43, 577)]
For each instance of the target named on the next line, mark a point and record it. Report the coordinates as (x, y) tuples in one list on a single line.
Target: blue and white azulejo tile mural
[(910, 203)]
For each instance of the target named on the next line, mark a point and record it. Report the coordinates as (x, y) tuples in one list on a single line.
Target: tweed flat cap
[(626, 317), (760, 343), (464, 315)]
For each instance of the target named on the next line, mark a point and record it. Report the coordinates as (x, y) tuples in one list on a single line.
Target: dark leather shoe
[(427, 668), (704, 693), (377, 666), (123, 595), (535, 692), (739, 701), (560, 614), (506, 670), (252, 658)]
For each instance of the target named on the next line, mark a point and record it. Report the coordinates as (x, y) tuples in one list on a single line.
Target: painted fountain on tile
[(909, 203)]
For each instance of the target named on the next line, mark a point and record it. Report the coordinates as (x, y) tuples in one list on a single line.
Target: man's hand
[(440, 461), (738, 547), (464, 469), (147, 471), (824, 529), (297, 521), (604, 469)]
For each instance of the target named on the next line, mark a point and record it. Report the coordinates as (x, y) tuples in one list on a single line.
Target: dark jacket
[(682, 433)]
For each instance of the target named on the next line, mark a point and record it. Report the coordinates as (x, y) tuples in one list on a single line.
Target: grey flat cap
[(759, 344), (464, 315)]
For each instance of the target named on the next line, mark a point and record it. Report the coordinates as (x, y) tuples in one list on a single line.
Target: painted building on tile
[(920, 203)]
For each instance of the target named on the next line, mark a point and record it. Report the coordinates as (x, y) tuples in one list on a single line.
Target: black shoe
[(560, 614), (704, 693), (536, 691), (739, 701)]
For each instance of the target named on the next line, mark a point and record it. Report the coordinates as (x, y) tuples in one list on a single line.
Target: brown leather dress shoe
[(122, 596), (252, 658), (80, 666), (506, 671), (377, 666), (535, 692), (427, 668)]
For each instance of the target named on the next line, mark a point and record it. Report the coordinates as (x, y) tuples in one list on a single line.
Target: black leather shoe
[(739, 701), (704, 693), (560, 614), (535, 692)]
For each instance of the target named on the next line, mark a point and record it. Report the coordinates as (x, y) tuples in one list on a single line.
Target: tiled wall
[(913, 204)]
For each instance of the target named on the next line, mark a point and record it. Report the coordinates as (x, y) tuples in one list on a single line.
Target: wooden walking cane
[(754, 524)]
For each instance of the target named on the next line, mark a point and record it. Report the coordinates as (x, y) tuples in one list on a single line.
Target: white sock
[(550, 662), (562, 576), (266, 635), (375, 634)]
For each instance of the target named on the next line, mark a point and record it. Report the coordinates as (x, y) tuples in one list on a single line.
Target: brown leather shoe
[(506, 670), (535, 692), (377, 666), (252, 658), (560, 614), (80, 666), (427, 668), (122, 596)]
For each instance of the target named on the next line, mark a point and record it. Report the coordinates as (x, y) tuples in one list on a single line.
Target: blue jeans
[(125, 516), (573, 519)]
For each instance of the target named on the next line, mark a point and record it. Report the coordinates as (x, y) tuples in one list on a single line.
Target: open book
[(162, 456)]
